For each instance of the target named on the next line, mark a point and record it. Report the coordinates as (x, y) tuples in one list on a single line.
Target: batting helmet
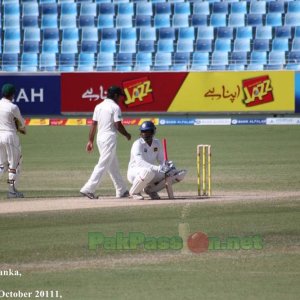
[(148, 126), (115, 90)]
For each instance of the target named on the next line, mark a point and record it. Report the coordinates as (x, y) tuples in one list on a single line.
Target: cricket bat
[(168, 181)]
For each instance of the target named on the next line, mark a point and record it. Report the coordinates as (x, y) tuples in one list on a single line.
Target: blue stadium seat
[(294, 57), (218, 20), (70, 34), (67, 62), (180, 20), (161, 20), (279, 44), (165, 46), (205, 32), (144, 8), (11, 22), (86, 62), (276, 7), (276, 58), (47, 62), (124, 21), (29, 62), (220, 7), (255, 67), (239, 57), (88, 8), (127, 46), (50, 46), (235, 67), (273, 67), (89, 46), (225, 32), (67, 21), (109, 34), (258, 57), (186, 33), (185, 46), (108, 46), (89, 34), (296, 44), (166, 33), (142, 21), (143, 61), (86, 21), (69, 46), (244, 32), (162, 8), (49, 9), (291, 66), (199, 20), (32, 34), (293, 7), (182, 8), (10, 62), (200, 61), (30, 21), (49, 21), (105, 21), (30, 9), (222, 45), (181, 61), (11, 9), (236, 20), (257, 7), (146, 46), (242, 45), (50, 34), (124, 62), (105, 61), (274, 19), (203, 45), (126, 9), (219, 58), (147, 33), (68, 9), (254, 19), (11, 47), (283, 32), (106, 9), (12, 34), (263, 32), (201, 8), (162, 61), (261, 45), (292, 19), (238, 7), (31, 47)]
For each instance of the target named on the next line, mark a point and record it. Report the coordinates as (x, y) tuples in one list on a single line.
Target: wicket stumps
[(203, 170)]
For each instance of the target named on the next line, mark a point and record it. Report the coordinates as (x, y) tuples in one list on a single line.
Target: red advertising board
[(81, 92)]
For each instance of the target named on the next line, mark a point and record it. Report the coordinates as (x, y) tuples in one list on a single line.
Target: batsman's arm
[(122, 130)]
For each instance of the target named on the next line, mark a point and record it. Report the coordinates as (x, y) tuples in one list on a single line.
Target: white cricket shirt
[(106, 114), (144, 156), (9, 111)]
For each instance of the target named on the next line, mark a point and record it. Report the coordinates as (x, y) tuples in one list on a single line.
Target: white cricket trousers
[(10, 155), (108, 162)]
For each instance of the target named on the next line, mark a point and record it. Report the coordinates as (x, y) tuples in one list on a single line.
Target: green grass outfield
[(50, 249)]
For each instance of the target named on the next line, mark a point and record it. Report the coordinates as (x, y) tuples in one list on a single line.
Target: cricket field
[(56, 244)]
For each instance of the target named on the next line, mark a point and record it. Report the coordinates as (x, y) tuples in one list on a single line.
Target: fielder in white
[(147, 169), (11, 122), (107, 118)]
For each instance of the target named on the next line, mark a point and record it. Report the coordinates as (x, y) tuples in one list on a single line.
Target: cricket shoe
[(89, 195), (124, 195), (153, 195), (137, 197), (14, 194)]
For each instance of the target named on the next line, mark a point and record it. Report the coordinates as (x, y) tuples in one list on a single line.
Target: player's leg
[(107, 148), (140, 178), (158, 183)]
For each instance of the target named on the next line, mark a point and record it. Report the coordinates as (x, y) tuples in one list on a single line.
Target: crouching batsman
[(147, 169)]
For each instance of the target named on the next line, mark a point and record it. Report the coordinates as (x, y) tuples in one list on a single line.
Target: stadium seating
[(174, 35)]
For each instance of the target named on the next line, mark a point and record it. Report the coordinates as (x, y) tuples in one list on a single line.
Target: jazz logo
[(138, 91), (257, 91)]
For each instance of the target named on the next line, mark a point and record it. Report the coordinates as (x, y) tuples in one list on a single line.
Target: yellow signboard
[(236, 92)]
